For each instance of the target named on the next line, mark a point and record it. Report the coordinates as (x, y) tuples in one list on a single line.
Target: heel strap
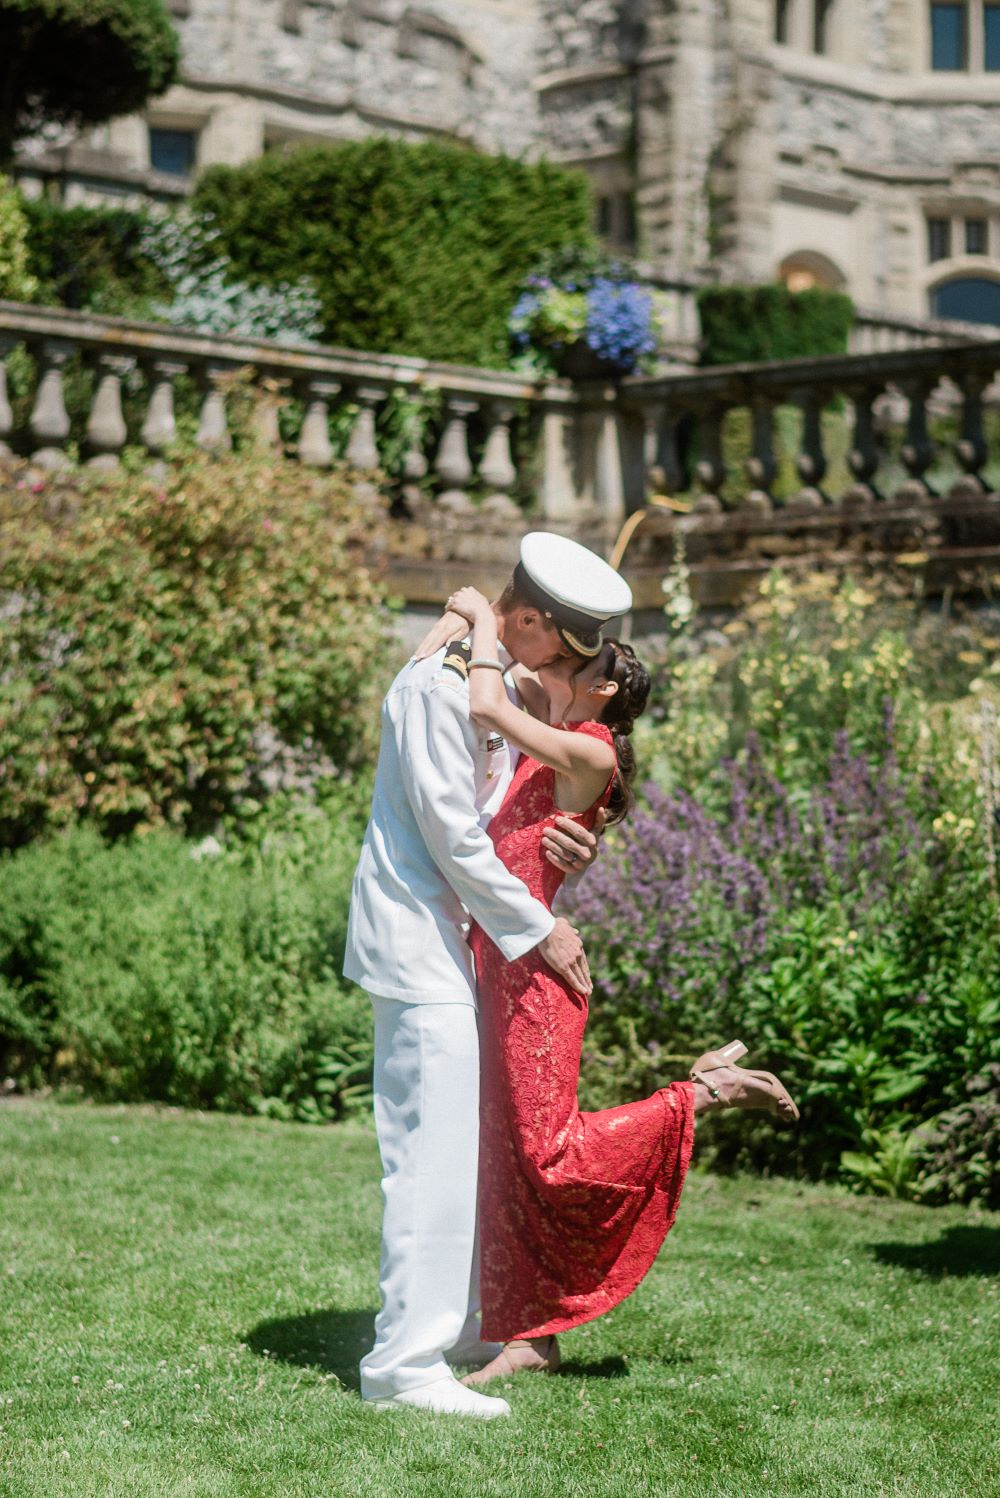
[(713, 1091)]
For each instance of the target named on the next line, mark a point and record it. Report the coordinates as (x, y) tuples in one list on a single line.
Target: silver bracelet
[(482, 661)]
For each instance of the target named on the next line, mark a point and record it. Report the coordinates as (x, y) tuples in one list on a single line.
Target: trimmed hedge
[(748, 324), (415, 249)]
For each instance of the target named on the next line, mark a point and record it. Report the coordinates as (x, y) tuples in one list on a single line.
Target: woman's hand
[(449, 627), (471, 604)]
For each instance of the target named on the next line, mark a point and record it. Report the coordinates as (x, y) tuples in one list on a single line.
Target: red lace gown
[(574, 1206)]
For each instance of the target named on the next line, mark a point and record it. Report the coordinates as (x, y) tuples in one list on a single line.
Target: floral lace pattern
[(574, 1206)]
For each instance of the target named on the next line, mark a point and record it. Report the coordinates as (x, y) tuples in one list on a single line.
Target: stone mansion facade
[(847, 143)]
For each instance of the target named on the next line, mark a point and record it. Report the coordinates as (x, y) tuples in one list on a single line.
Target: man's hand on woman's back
[(570, 846), (563, 951)]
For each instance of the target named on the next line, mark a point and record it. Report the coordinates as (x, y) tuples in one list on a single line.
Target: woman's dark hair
[(620, 713)]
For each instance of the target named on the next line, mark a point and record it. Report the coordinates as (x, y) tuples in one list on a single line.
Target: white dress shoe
[(445, 1396)]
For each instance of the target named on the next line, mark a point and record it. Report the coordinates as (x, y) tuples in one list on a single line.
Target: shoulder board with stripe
[(457, 657)]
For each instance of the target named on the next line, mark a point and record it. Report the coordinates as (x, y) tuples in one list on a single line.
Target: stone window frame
[(957, 215), (175, 124), (975, 38), (803, 20), (821, 268)]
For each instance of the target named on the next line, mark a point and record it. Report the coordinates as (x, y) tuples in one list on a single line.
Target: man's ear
[(528, 618)]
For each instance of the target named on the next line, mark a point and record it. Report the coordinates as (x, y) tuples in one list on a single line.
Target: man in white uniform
[(426, 866)]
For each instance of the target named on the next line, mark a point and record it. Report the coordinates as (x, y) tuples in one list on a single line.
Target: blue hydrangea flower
[(620, 321)]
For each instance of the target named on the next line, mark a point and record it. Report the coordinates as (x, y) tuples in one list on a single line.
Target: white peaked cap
[(573, 586)]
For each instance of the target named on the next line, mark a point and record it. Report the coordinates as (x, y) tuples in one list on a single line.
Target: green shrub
[(173, 651), (92, 258), (157, 968), (17, 284), (415, 249), (80, 62), (958, 1155), (745, 324)]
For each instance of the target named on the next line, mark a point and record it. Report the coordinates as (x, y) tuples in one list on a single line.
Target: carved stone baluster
[(415, 468), (49, 420), (159, 429), (270, 399), (362, 449), (761, 466), (917, 451), (971, 449), (315, 447), (6, 410), (106, 431), (710, 469), (213, 431), (452, 464), (810, 463), (496, 468), (863, 459)]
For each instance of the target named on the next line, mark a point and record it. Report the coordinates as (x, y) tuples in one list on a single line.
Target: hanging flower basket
[(600, 326)]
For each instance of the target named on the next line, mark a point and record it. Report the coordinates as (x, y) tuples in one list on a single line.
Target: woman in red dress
[(574, 1206)]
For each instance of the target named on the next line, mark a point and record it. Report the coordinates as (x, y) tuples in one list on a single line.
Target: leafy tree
[(79, 62)]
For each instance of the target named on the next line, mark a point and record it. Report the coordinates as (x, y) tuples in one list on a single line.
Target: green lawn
[(185, 1297)]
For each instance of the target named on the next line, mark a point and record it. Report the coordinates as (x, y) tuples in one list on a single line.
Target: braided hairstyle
[(620, 713)]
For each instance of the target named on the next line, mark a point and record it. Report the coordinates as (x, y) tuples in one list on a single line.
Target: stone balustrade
[(671, 427), (471, 446), (879, 454)]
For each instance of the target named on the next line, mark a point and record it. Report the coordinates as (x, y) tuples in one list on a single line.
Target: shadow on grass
[(959, 1251), (601, 1368), (334, 1341)]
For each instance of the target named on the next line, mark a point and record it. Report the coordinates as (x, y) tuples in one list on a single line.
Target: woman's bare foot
[(719, 1083), (536, 1355)]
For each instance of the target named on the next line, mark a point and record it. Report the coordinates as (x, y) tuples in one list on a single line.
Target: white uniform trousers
[(427, 1121)]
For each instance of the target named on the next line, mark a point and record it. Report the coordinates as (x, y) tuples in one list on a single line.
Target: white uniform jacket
[(426, 863)]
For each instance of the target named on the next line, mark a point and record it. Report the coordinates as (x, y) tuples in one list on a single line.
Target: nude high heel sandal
[(772, 1095), (519, 1356)]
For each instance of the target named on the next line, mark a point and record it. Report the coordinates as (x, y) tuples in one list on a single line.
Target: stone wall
[(714, 151)]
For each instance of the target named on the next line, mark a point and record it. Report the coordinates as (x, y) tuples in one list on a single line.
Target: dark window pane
[(948, 38), (821, 16), (781, 21), (975, 236), (604, 219), (970, 300), (991, 38), (172, 151), (630, 229), (938, 238)]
